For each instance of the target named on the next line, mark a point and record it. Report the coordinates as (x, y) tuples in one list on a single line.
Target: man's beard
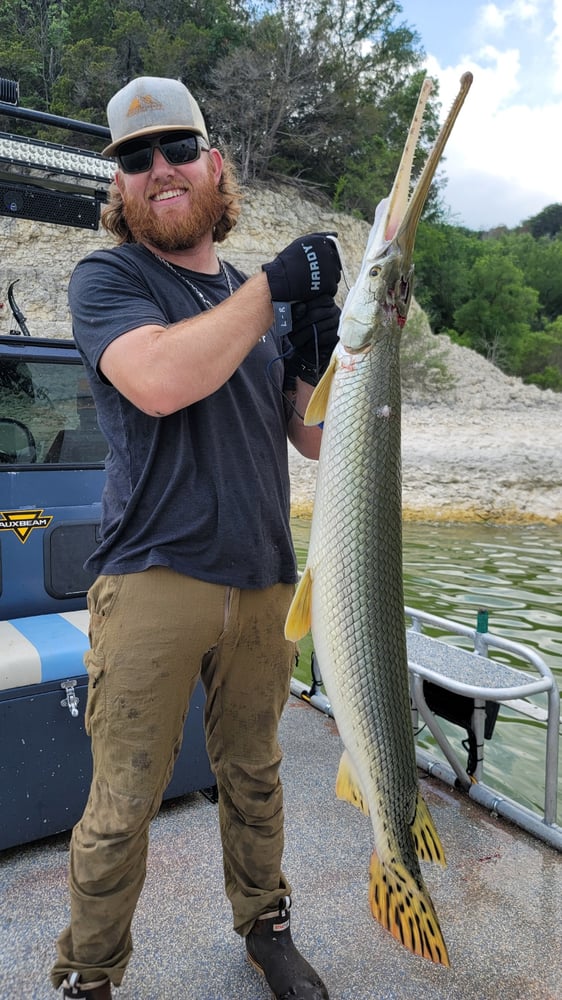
[(177, 230)]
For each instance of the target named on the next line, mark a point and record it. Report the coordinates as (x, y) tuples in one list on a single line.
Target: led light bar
[(55, 158)]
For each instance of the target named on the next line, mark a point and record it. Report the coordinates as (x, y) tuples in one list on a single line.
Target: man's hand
[(313, 338), (307, 268)]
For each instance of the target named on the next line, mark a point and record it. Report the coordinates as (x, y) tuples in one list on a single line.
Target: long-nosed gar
[(351, 593)]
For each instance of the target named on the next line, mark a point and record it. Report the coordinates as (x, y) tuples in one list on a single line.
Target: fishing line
[(344, 270), (285, 356), (288, 402)]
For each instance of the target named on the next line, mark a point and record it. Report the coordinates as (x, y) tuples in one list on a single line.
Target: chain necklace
[(206, 303)]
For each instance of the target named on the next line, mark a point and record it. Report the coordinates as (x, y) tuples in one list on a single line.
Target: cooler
[(45, 759)]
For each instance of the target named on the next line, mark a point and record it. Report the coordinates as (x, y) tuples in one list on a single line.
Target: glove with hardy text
[(308, 267), (313, 338)]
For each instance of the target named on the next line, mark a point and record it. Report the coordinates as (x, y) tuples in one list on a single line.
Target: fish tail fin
[(403, 906), (348, 786), (318, 402), (426, 839), (298, 617)]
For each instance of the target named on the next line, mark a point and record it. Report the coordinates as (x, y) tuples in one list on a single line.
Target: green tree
[(499, 314), (539, 358), (87, 80), (32, 38), (322, 92), (443, 258), (546, 223), (256, 93), (541, 260), (111, 43)]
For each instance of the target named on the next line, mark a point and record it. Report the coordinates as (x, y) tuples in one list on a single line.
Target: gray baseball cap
[(152, 104)]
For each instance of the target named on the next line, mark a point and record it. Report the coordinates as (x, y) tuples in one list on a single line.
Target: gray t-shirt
[(204, 490)]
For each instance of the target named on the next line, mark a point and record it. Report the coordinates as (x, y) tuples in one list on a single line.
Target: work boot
[(72, 987), (271, 951)]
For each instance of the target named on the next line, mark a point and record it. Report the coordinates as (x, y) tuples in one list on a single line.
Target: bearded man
[(199, 375)]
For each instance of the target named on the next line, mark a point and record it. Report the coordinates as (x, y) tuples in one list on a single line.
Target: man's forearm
[(305, 439)]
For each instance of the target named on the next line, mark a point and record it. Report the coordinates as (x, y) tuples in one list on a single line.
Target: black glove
[(313, 338), (308, 267)]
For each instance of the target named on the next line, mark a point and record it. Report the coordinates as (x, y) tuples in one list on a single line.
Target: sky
[(503, 161)]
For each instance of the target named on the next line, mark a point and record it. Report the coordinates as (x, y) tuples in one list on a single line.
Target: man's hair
[(114, 221)]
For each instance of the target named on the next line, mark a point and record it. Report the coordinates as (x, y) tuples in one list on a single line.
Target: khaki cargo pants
[(152, 635)]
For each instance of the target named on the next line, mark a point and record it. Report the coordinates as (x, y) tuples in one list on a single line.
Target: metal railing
[(475, 675)]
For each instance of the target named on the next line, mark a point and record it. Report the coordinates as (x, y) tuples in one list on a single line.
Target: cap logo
[(144, 103)]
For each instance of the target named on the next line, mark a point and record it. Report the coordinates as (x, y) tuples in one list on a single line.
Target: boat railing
[(480, 683), (473, 674)]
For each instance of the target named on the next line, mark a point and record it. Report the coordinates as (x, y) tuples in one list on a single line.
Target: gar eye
[(375, 270)]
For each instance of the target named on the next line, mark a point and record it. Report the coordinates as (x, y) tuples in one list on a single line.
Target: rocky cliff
[(480, 446)]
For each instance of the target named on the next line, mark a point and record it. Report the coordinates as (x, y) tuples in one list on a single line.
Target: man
[(196, 389)]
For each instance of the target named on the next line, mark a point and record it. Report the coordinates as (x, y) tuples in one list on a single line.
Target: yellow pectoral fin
[(426, 838), (298, 618), (318, 402), (348, 786)]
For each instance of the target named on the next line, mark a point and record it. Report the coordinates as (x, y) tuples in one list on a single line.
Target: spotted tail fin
[(403, 906)]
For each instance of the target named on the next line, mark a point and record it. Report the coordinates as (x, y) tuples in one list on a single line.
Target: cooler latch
[(71, 701)]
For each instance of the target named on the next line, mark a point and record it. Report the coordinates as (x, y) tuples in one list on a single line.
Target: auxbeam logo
[(22, 522)]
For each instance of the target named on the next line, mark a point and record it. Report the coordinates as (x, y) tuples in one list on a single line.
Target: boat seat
[(472, 674), (467, 672), (42, 648)]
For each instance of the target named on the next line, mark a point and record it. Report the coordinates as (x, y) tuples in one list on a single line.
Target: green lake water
[(516, 574)]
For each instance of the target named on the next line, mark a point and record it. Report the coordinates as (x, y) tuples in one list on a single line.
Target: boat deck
[(499, 900)]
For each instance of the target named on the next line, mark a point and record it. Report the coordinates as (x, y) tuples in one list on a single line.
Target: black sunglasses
[(135, 156)]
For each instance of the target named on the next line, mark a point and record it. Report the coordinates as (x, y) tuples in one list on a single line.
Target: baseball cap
[(152, 104)]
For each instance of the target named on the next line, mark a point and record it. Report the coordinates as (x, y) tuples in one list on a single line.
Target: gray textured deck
[(499, 901)]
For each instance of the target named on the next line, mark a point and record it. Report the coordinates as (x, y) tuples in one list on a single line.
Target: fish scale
[(357, 598), (351, 592)]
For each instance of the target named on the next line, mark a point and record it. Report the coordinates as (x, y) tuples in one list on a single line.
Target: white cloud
[(496, 19), (502, 160), (555, 41), (492, 18)]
